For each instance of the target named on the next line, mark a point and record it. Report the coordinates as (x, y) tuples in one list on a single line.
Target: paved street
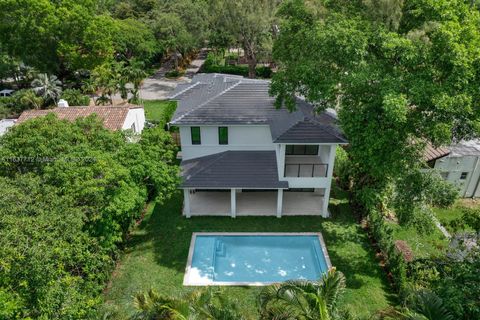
[(157, 87)]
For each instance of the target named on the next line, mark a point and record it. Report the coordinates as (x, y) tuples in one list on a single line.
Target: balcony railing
[(306, 170)]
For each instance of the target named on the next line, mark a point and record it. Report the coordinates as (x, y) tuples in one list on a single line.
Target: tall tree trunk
[(252, 63)]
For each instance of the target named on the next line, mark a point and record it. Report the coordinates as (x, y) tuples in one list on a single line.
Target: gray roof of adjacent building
[(233, 169), (6, 124), (213, 99), (465, 148)]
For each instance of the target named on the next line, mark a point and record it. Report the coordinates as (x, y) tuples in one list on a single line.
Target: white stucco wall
[(135, 116), (239, 138), (454, 166)]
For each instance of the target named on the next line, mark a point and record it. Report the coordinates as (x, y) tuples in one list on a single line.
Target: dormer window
[(196, 136)]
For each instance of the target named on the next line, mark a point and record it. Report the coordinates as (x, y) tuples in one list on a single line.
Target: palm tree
[(49, 87), (206, 304), (152, 306), (135, 74), (303, 299), (212, 304), (425, 305), (29, 98)]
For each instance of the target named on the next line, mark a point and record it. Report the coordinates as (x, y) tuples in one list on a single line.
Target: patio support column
[(326, 196), (233, 203), (186, 202), (279, 203)]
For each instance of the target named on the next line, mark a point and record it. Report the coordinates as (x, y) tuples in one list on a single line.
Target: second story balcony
[(305, 167)]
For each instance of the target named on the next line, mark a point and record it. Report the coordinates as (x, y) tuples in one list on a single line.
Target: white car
[(6, 92)]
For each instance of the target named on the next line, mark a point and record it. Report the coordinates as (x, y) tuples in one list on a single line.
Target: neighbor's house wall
[(239, 138), (455, 166), (135, 116)]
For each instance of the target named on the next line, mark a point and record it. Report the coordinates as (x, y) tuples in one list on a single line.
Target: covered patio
[(254, 203), (243, 183)]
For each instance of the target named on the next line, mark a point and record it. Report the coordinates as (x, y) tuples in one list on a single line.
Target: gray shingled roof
[(308, 131), (233, 169), (213, 99)]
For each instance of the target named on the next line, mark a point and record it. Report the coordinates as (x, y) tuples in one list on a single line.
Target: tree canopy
[(400, 73), (70, 193)]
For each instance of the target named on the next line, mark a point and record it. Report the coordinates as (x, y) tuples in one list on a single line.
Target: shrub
[(20, 101), (210, 66), (75, 98), (263, 72), (342, 168), (174, 74), (63, 215), (455, 281), (383, 234)]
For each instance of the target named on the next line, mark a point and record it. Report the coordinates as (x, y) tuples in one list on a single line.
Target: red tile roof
[(113, 117), (431, 153)]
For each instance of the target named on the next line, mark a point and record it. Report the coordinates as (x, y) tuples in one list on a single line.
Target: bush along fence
[(210, 66), (395, 261)]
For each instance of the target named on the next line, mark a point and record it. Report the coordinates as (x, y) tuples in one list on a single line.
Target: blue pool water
[(255, 259)]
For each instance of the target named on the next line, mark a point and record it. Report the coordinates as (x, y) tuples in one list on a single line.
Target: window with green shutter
[(222, 135), (196, 139)]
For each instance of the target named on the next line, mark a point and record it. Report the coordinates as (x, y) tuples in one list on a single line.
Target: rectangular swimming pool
[(255, 258)]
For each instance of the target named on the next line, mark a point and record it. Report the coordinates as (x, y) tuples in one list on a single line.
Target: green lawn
[(156, 256), (423, 245), (160, 111), (455, 212)]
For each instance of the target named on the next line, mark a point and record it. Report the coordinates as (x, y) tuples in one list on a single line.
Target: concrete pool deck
[(199, 281)]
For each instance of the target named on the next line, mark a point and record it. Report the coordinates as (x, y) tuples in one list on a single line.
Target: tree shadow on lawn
[(170, 234)]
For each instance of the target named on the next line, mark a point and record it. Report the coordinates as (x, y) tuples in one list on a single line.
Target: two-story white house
[(242, 156)]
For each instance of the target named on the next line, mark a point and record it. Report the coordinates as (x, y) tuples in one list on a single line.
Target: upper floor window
[(464, 176), (195, 132), (222, 135), (301, 150)]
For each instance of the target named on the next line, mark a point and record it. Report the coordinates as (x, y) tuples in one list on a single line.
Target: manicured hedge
[(241, 70)]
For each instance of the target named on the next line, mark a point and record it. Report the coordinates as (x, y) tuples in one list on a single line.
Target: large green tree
[(109, 178), (70, 193), (50, 267), (400, 73), (56, 36), (250, 23)]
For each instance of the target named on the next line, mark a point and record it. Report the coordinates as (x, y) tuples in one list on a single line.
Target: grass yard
[(160, 111), (156, 256), (455, 212), (422, 245)]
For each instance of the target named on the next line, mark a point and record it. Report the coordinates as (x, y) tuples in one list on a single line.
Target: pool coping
[(186, 281)]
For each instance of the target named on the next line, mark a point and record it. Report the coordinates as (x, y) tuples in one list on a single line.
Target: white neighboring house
[(122, 117), (242, 156), (6, 92), (460, 165), (5, 125)]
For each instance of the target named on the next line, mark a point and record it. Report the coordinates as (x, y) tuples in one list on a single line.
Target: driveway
[(158, 87)]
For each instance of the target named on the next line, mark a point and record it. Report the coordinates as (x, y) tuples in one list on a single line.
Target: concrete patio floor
[(216, 203)]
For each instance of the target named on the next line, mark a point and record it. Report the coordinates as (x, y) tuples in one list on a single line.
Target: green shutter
[(223, 135), (196, 137)]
